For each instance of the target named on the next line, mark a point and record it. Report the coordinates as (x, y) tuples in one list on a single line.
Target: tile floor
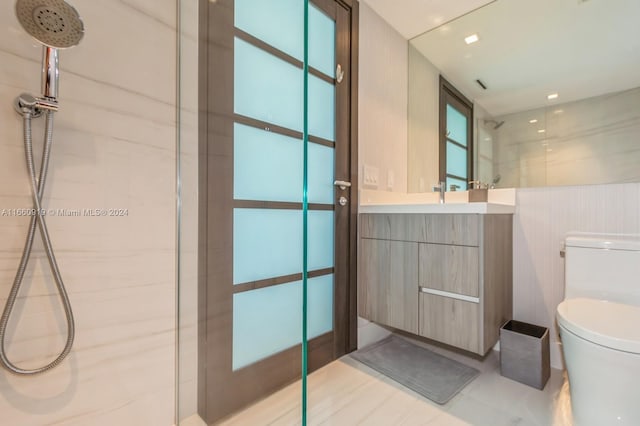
[(347, 392)]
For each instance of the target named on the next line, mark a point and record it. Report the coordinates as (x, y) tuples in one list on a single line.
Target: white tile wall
[(382, 100), (114, 147), (382, 125), (543, 217), (423, 123)]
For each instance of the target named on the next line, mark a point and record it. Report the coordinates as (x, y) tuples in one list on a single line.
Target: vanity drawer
[(397, 227), (451, 321), (457, 229), (454, 269)]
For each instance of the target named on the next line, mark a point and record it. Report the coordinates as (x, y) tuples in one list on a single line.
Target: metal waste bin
[(524, 353)]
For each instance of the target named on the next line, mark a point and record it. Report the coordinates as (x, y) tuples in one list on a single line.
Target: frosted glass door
[(270, 190), (268, 177), (457, 143), (330, 150), (456, 147)]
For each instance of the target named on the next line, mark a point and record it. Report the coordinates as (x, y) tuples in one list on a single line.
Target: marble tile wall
[(114, 147), (543, 217), (592, 141)]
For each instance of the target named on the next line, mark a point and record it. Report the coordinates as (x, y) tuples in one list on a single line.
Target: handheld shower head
[(55, 24)]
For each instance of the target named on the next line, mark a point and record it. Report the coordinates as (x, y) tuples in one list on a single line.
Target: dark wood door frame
[(216, 202)]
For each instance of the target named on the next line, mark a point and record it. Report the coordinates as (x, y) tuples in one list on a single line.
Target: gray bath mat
[(431, 375)]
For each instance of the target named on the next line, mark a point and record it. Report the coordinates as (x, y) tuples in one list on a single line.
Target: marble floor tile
[(347, 392)]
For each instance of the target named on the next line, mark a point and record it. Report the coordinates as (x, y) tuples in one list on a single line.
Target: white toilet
[(599, 323)]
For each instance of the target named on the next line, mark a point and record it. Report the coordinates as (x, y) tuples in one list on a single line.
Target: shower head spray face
[(53, 23), (56, 25)]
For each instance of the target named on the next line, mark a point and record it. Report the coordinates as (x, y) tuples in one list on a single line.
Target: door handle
[(342, 184), (339, 73)]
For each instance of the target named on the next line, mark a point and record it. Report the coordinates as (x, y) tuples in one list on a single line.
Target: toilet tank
[(603, 266)]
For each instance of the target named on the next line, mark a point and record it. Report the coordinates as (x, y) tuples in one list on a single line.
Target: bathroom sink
[(501, 201)]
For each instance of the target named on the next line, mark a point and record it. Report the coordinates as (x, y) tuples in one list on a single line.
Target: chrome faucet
[(477, 184), (441, 187)]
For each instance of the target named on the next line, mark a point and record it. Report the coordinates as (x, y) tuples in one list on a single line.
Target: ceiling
[(413, 17), (528, 48)]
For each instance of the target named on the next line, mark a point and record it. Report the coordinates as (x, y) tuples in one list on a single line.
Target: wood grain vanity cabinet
[(447, 277)]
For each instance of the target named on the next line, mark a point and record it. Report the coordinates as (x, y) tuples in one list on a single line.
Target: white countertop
[(452, 208), (501, 201)]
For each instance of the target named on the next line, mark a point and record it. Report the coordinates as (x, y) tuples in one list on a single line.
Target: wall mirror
[(555, 86)]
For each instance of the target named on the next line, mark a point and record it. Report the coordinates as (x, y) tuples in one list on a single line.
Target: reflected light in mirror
[(533, 121), (471, 39)]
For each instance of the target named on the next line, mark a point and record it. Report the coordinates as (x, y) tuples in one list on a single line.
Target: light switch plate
[(371, 176)]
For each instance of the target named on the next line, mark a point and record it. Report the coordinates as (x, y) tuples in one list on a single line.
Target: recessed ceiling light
[(558, 111), (533, 121), (552, 96), (471, 39), (541, 131)]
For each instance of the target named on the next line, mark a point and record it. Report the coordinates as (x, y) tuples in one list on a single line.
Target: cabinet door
[(453, 269), (450, 321), (388, 283)]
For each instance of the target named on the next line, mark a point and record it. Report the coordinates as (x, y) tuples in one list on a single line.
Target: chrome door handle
[(342, 184)]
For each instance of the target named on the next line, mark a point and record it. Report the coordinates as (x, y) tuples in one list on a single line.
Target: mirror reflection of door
[(252, 162), (456, 136)]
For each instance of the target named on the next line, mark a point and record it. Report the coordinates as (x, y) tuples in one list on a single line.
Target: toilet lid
[(610, 324)]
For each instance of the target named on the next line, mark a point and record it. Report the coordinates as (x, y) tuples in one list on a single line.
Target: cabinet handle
[(450, 295)]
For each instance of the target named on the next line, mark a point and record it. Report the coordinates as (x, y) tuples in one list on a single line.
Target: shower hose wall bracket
[(30, 107)]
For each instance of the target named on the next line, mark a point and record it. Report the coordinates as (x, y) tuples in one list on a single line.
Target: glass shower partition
[(281, 169)]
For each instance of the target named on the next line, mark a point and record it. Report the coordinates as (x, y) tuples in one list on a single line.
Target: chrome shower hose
[(38, 219)]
